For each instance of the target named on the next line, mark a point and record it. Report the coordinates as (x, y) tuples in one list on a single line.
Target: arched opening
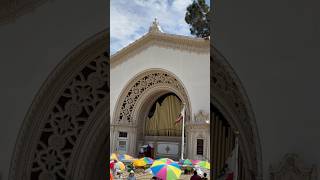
[(152, 113), (159, 130)]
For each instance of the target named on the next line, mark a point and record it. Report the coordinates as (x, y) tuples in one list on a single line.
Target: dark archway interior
[(223, 143)]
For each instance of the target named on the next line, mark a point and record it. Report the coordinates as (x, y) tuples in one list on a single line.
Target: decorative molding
[(66, 106), (139, 88), (156, 38), (201, 116), (291, 167), (232, 101)]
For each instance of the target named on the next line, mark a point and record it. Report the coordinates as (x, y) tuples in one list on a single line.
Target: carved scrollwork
[(228, 91), (293, 168), (62, 111), (139, 87), (67, 120)]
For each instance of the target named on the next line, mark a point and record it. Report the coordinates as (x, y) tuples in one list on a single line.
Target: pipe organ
[(222, 144)]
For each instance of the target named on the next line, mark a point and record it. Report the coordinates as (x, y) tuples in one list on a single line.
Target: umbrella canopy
[(186, 162), (121, 157), (120, 165), (147, 160), (139, 163), (194, 162), (165, 171), (165, 160), (204, 164), (113, 156), (125, 157)]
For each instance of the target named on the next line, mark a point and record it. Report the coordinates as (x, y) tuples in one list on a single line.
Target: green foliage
[(197, 16)]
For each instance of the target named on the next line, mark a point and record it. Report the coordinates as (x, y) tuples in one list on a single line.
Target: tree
[(197, 16)]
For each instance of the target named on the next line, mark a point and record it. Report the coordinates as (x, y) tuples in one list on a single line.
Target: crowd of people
[(117, 173)]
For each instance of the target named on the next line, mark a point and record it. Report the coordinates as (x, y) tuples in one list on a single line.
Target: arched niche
[(137, 97), (229, 97), (63, 135)]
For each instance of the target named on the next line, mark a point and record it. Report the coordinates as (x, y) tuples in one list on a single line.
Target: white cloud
[(130, 19)]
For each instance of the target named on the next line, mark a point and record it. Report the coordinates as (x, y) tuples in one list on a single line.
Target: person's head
[(131, 173), (115, 160), (204, 174), (195, 173)]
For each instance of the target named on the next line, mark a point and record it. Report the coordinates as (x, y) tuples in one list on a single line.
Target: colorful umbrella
[(125, 157), (194, 162), (165, 171), (165, 160), (186, 162), (121, 157), (113, 156), (147, 160), (139, 163), (204, 164), (120, 165)]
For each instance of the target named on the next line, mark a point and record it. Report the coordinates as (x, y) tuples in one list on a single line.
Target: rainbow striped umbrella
[(147, 160), (165, 171), (121, 157), (113, 156), (194, 162), (204, 164), (165, 160), (120, 165), (186, 162)]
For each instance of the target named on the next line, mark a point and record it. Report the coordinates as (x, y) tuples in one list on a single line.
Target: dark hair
[(205, 174), (195, 172)]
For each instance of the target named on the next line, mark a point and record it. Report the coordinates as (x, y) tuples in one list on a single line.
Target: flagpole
[(182, 139)]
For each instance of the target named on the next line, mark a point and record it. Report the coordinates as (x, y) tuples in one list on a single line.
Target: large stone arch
[(230, 98), (139, 94), (63, 134)]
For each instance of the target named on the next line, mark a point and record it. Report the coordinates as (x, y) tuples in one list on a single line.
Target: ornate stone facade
[(147, 81), (66, 117), (136, 99), (230, 98), (291, 167)]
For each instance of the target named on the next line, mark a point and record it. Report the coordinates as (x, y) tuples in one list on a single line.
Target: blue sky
[(130, 19)]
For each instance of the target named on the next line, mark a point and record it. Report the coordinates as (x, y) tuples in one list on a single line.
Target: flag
[(232, 162), (180, 117), (230, 169)]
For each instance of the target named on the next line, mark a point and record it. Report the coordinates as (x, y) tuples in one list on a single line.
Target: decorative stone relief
[(68, 118), (201, 116), (229, 92), (139, 87), (291, 167), (70, 100)]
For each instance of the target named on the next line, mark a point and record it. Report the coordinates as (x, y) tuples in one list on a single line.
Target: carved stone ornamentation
[(201, 116), (291, 167), (230, 98), (140, 86), (68, 105)]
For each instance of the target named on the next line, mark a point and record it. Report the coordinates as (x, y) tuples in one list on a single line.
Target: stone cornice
[(191, 44)]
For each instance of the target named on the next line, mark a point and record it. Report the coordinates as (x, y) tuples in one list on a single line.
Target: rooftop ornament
[(155, 27)]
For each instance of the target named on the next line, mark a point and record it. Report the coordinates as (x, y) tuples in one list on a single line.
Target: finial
[(155, 27)]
